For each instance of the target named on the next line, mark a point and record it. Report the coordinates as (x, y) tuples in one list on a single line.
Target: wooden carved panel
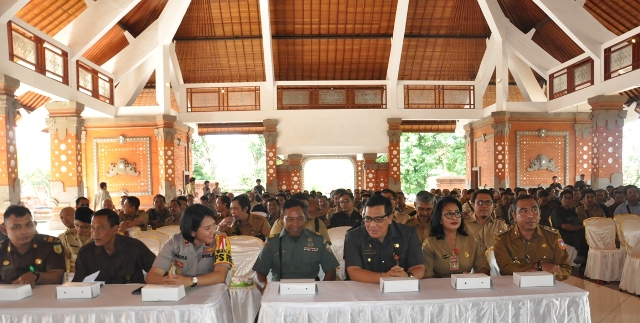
[(530, 145), (107, 151)]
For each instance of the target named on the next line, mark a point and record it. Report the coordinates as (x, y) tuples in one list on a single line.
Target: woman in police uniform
[(450, 249), (195, 256)]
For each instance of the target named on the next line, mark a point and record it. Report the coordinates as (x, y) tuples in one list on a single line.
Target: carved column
[(501, 129), (65, 128), (9, 180), (370, 171), (607, 120), (393, 153), (360, 174), (468, 138), (295, 169), (271, 156), (584, 149), (166, 137)]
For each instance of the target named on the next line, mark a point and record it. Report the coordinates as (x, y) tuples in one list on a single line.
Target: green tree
[(257, 148), (204, 166), (631, 154), (424, 155)]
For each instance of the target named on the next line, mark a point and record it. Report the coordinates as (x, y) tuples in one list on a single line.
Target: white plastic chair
[(245, 297), (161, 236), (337, 246), (605, 261), (133, 230), (631, 236), (618, 219), (152, 243), (170, 229), (493, 263)]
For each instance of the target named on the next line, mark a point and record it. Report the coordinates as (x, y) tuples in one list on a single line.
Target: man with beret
[(73, 240)]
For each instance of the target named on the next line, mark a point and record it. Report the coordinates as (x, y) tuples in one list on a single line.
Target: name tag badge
[(445, 257), (370, 252), (313, 249)]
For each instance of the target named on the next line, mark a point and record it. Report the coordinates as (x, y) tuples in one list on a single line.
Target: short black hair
[(346, 194), (16, 210), (204, 197), (482, 191), (585, 192), (300, 196), (192, 179), (83, 214), (103, 185), (273, 199), (112, 216), (436, 229), (291, 203), (378, 200), (566, 192), (160, 196), (134, 201), (628, 187), (192, 219), (225, 200), (244, 202), (386, 190), (182, 198), (80, 199), (543, 193), (514, 205)]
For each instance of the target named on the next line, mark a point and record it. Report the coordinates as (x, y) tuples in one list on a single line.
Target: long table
[(116, 304), (435, 302)]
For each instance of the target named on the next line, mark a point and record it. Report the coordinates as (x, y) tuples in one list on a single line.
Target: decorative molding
[(122, 167), (63, 124), (122, 139), (541, 163), (163, 134), (484, 137), (83, 137), (394, 136), (270, 137), (501, 129), (145, 140), (180, 142), (608, 118), (564, 134), (583, 129), (352, 159)]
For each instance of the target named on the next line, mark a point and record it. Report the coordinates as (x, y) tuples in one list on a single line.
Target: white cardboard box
[(14, 292), (399, 284), (298, 287), (534, 279), (163, 293), (78, 290), (470, 281)]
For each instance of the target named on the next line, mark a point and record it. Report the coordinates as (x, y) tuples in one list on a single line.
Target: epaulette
[(271, 236), (316, 233), (46, 238), (550, 229), (497, 235)]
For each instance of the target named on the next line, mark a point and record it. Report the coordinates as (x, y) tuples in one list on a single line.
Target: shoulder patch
[(271, 236), (316, 233), (550, 229)]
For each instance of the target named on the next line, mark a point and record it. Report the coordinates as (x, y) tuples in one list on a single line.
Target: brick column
[(271, 156), (295, 169), (501, 131), (393, 154), (360, 174), (607, 119), (370, 171), (65, 128), (584, 148), (9, 181), (166, 136)]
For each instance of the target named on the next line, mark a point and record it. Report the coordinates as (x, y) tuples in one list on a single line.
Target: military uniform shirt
[(256, 225), (341, 219), (361, 250), (71, 243), (45, 254), (515, 254), (124, 266), (189, 260), (301, 258), (437, 256), (310, 224)]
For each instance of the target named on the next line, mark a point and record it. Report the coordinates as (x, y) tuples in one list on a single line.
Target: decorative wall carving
[(63, 124), (583, 129), (524, 142), (501, 129), (394, 136), (136, 148), (165, 134), (122, 167), (541, 163), (608, 118), (270, 137)]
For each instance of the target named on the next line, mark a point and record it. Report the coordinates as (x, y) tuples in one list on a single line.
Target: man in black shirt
[(565, 219), (348, 216), (382, 247)]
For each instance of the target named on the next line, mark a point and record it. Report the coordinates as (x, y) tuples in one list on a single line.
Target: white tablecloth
[(116, 304), (436, 302)]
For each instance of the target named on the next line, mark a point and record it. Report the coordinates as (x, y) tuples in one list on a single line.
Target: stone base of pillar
[(168, 190), (62, 197), (393, 185), (272, 187), (10, 195), (601, 183)]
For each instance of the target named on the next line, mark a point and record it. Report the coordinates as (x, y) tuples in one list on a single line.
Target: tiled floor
[(609, 305)]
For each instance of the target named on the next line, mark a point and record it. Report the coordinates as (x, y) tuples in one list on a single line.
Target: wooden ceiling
[(207, 19), (142, 16), (30, 101), (108, 46), (50, 16), (619, 16), (242, 128)]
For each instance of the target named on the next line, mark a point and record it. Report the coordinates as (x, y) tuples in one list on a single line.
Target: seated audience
[(631, 205), (393, 197), (486, 225), (159, 214), (72, 241), (348, 215), (589, 208), (131, 216), (422, 220), (242, 222), (223, 205), (569, 224)]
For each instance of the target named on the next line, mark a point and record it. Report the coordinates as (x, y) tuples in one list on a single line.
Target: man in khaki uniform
[(402, 205), (589, 208), (422, 220), (72, 241), (397, 216), (486, 224), (242, 222), (530, 247)]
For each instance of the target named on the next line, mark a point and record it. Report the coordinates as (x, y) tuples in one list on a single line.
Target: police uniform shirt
[(71, 243), (301, 258), (438, 253), (124, 266), (516, 254), (45, 254), (256, 225), (361, 250), (311, 224), (191, 260), (341, 219)]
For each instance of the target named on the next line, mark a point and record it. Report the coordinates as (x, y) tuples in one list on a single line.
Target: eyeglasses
[(450, 215), (485, 203), (423, 209), (344, 201), (378, 219), (82, 227)]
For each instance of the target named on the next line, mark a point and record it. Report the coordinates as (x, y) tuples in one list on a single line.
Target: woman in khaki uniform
[(450, 250)]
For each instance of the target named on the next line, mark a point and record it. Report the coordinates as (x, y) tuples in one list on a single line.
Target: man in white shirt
[(102, 195)]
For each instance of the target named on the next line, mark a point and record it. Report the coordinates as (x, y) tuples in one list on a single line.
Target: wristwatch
[(37, 274), (409, 274), (194, 281), (540, 265)]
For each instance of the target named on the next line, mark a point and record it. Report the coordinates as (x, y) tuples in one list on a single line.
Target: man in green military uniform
[(296, 252), (27, 257), (528, 246), (73, 240)]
